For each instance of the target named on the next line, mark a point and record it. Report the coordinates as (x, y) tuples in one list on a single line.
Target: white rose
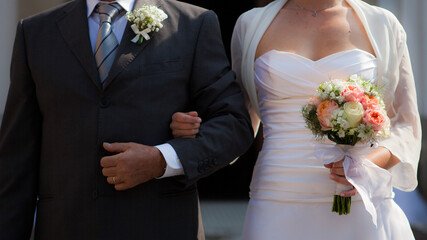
[(354, 77), (354, 113)]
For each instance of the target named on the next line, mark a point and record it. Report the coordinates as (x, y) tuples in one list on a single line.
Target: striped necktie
[(106, 42)]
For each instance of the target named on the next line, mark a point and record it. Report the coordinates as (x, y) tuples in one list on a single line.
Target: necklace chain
[(314, 12)]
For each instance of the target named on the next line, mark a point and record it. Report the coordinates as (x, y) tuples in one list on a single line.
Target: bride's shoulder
[(253, 15), (376, 14), (249, 15)]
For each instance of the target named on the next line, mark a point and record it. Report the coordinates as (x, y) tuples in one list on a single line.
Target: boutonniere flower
[(146, 19)]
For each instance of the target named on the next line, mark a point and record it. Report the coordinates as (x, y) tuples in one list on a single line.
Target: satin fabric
[(291, 193)]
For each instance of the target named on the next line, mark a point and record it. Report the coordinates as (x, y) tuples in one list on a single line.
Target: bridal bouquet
[(346, 112)]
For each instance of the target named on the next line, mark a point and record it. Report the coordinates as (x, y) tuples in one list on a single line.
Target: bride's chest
[(286, 75)]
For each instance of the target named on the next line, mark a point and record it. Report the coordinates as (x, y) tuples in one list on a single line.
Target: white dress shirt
[(174, 166)]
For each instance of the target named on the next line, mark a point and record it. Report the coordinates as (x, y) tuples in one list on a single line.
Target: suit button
[(104, 103), (95, 194)]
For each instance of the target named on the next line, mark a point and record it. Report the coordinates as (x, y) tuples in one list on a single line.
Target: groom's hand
[(132, 165)]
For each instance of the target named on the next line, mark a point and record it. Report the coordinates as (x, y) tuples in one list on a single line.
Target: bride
[(281, 53)]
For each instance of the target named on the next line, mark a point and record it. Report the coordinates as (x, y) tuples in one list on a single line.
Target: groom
[(85, 137)]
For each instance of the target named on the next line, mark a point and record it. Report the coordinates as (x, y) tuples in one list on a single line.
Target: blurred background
[(224, 195)]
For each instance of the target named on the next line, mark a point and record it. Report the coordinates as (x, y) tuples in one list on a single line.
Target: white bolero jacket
[(388, 40)]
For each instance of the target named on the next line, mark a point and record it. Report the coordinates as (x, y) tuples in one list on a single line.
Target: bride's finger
[(337, 171), (186, 117), (328, 165), (349, 193), (339, 179), (338, 164)]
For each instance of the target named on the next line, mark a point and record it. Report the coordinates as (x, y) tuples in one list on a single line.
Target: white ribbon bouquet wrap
[(351, 114), (146, 19), (140, 33), (372, 182)]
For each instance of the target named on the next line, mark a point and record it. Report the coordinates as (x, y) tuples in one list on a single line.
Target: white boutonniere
[(146, 19)]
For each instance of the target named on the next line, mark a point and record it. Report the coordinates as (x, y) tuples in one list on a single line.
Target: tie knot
[(109, 11)]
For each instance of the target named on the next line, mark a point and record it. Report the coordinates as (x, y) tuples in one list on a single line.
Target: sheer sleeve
[(405, 139), (236, 60)]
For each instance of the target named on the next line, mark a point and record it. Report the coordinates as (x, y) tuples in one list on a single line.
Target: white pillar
[(8, 23)]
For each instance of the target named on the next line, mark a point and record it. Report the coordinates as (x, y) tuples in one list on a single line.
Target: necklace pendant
[(314, 14)]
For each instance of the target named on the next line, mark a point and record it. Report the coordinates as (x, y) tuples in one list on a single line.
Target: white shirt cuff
[(173, 165)]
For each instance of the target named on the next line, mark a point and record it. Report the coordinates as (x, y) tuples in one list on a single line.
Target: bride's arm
[(236, 63), (404, 144), (382, 157), (400, 152), (186, 125)]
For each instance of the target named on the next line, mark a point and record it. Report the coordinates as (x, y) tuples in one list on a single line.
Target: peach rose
[(352, 93), (374, 118), (370, 102), (324, 114)]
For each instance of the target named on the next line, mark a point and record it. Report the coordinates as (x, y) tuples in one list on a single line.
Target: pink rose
[(352, 93), (324, 114), (315, 101), (374, 118), (370, 102)]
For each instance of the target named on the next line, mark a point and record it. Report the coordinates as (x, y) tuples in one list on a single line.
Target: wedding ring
[(114, 180)]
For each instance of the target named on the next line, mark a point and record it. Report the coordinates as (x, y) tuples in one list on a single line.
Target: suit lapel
[(128, 51), (74, 28)]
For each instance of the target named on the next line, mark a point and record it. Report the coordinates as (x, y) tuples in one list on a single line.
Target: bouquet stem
[(341, 205), (140, 40)]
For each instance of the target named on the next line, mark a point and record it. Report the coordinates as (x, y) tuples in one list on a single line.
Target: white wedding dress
[(291, 193)]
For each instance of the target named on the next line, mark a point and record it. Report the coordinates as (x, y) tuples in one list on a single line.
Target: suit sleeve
[(226, 131), (19, 148)]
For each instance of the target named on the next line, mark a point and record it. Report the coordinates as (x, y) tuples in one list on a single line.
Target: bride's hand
[(337, 174), (185, 125)]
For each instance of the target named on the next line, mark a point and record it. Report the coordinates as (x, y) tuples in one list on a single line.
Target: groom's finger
[(116, 147), (110, 161), (114, 180), (122, 186), (109, 171)]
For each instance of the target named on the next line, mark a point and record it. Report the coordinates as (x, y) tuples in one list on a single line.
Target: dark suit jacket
[(58, 115)]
